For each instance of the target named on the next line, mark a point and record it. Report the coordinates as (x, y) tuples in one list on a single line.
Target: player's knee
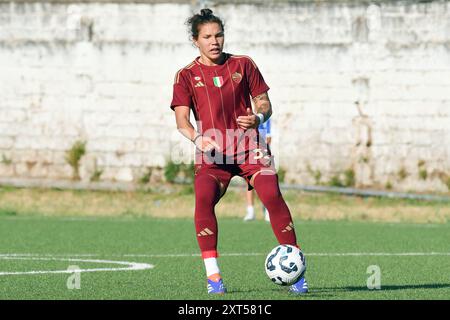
[(267, 188), (206, 189), (271, 199)]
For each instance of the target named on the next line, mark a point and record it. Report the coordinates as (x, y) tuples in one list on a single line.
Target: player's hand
[(250, 121), (206, 144)]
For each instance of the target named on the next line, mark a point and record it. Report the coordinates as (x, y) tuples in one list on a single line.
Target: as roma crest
[(237, 77)]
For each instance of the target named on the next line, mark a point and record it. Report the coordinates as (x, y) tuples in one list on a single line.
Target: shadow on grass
[(385, 288), (326, 292), (281, 291)]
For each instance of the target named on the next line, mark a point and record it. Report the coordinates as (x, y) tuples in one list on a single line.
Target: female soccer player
[(217, 88)]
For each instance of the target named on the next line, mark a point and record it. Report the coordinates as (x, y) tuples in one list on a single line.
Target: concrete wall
[(358, 90)]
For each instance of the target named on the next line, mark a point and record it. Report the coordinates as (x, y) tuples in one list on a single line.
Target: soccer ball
[(285, 264)]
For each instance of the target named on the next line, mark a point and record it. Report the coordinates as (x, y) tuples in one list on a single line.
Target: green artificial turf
[(414, 259)]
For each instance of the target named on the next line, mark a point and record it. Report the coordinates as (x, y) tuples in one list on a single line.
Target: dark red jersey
[(218, 95)]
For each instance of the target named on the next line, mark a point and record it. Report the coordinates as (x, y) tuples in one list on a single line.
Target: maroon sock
[(268, 190), (207, 193)]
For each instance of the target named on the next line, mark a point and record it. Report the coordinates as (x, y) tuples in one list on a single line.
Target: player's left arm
[(262, 106)]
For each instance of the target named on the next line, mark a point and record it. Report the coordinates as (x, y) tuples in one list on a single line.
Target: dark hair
[(205, 16)]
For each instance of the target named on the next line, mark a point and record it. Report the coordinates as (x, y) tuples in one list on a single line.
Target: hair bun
[(206, 12)]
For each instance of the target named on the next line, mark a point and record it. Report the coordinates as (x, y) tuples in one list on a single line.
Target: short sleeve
[(256, 82), (181, 94)]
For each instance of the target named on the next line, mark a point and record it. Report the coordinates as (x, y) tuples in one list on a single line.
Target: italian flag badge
[(218, 81)]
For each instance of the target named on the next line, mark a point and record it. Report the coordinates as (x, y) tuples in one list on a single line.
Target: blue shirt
[(264, 129)]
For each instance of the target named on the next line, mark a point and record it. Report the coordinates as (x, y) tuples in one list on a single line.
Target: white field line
[(130, 266), (332, 254), (133, 266), (238, 254), (386, 254)]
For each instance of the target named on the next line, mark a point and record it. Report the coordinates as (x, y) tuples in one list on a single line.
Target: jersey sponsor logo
[(237, 77), (199, 84), (218, 81)]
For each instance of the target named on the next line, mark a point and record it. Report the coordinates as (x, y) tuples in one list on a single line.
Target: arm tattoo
[(263, 105), (261, 97)]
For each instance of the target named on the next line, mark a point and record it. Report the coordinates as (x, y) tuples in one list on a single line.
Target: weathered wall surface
[(360, 92)]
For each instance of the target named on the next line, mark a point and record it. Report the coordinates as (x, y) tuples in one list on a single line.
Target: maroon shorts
[(246, 165)]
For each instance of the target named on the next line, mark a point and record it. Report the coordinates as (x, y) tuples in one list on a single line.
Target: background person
[(265, 133)]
